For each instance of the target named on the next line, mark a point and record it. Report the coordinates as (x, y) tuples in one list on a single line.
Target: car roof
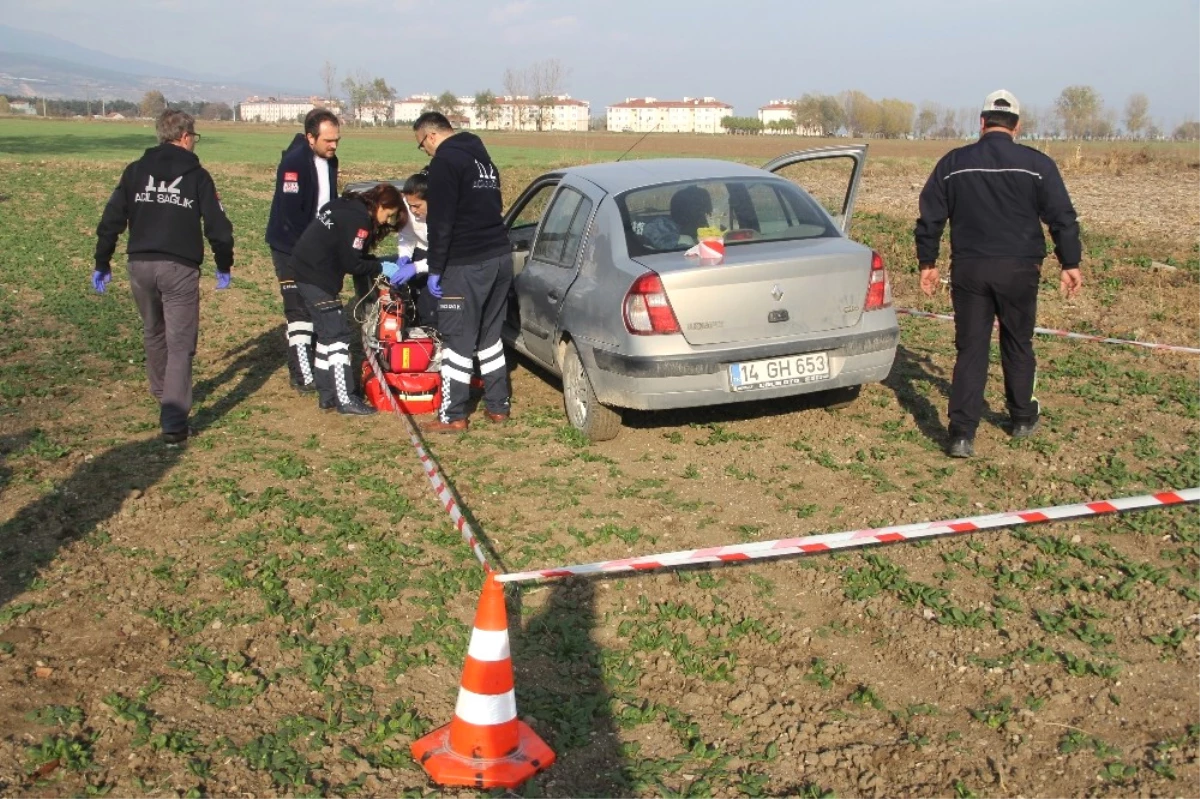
[(619, 176)]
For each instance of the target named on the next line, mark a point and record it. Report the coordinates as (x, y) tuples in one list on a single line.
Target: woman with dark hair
[(337, 243)]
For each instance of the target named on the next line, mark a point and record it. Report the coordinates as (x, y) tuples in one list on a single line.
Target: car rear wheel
[(584, 412)]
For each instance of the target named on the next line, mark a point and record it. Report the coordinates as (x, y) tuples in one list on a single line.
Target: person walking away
[(304, 182), (165, 198), (335, 244), (470, 269), (996, 194)]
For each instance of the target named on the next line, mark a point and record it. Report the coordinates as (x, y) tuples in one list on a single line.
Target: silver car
[(608, 297)]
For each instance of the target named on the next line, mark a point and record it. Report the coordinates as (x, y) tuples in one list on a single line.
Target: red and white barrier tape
[(1046, 331), (429, 465), (858, 538)]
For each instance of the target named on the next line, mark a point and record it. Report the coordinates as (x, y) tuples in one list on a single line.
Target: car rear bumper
[(694, 380)]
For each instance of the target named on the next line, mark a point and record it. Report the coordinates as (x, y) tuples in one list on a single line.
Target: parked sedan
[(606, 297)]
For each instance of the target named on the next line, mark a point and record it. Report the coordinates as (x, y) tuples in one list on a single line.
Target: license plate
[(777, 372)]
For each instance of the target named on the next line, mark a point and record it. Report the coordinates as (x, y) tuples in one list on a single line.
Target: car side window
[(561, 233), (531, 211)]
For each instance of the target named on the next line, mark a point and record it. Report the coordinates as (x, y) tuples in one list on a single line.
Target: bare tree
[(927, 120), (895, 118), (542, 82), (1079, 108), (864, 117), (329, 79), (1137, 114), (486, 108), (153, 103)]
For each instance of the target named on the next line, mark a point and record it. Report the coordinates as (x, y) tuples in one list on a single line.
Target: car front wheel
[(584, 412)]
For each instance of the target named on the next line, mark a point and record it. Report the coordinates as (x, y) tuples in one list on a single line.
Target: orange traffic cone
[(485, 745)]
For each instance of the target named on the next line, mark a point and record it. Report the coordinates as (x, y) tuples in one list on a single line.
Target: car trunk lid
[(766, 290)]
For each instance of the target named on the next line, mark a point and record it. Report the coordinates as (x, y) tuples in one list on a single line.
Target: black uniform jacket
[(163, 197), (465, 222), (996, 194), (335, 244), (296, 188)]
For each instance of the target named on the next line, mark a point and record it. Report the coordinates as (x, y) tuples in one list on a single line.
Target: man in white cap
[(996, 194)]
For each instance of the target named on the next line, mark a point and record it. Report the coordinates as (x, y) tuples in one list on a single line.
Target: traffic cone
[(485, 745)]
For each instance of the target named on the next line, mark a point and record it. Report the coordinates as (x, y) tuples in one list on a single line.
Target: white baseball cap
[(1001, 100)]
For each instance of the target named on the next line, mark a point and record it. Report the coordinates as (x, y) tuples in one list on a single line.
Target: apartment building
[(561, 112), (281, 109), (689, 115), (779, 111)]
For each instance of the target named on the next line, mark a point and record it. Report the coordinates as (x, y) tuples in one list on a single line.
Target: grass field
[(282, 607)]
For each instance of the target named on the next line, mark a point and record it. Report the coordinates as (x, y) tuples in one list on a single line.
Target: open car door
[(829, 174)]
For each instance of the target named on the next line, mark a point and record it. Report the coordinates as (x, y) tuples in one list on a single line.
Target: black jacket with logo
[(296, 188), (163, 197), (335, 244), (996, 194), (465, 220)]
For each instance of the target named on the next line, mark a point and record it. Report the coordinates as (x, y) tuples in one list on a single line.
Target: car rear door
[(552, 266), (829, 174)]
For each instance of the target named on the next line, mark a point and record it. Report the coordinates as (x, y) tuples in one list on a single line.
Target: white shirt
[(413, 236), (322, 180)]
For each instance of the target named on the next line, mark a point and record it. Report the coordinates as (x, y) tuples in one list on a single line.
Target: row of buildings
[(560, 112)]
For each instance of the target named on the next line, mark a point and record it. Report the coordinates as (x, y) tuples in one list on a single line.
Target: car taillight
[(647, 309), (879, 288)]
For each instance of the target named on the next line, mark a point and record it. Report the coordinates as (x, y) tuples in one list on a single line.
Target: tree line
[(152, 104)]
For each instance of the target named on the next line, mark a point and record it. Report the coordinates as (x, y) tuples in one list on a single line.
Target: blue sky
[(747, 52)]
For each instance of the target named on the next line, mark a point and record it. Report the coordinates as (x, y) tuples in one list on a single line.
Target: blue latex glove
[(223, 279), (388, 267), (100, 280), (434, 285), (405, 271)]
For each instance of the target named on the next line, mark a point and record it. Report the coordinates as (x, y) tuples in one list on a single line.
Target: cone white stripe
[(487, 367), (489, 646), (488, 352), (455, 358), (485, 710)]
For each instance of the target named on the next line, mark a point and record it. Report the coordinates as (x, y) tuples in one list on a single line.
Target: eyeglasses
[(421, 143), (195, 136)]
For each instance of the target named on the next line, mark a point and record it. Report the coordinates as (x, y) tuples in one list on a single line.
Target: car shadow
[(99, 488), (912, 379), (558, 668)]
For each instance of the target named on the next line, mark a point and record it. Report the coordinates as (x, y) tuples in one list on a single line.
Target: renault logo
[(777, 292)]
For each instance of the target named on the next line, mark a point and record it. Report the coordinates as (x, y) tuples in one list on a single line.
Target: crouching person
[(335, 244)]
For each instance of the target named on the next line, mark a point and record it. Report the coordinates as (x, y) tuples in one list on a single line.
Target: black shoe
[(1026, 429), (178, 437), (356, 407), (327, 405), (962, 448), (303, 388)]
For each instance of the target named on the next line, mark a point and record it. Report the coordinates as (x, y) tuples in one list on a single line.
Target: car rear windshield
[(666, 218)]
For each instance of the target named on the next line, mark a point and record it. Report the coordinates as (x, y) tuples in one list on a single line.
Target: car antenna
[(639, 141)]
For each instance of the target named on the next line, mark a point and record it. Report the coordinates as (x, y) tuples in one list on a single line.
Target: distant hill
[(46, 66)]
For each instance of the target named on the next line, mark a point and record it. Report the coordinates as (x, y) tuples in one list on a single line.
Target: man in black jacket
[(470, 269), (996, 194), (163, 197), (305, 180)]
